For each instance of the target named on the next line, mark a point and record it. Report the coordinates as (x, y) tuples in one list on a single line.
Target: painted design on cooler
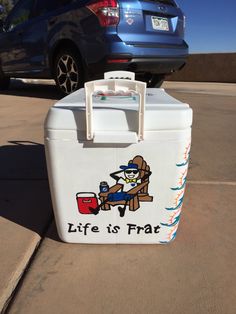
[(131, 188), (175, 209)]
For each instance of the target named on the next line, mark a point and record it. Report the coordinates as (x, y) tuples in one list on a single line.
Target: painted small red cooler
[(86, 202)]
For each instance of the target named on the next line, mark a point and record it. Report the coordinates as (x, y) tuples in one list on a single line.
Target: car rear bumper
[(147, 58), (137, 65)]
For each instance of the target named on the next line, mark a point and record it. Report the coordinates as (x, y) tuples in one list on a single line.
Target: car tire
[(156, 80), (4, 81), (68, 71), (152, 80)]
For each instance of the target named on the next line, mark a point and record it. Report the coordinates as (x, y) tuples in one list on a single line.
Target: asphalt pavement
[(194, 274)]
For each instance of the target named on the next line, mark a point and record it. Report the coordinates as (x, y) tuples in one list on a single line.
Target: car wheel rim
[(67, 74)]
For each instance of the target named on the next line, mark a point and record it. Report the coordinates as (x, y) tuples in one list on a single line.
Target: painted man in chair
[(131, 179)]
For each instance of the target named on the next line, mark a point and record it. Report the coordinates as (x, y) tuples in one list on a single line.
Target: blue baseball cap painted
[(129, 166)]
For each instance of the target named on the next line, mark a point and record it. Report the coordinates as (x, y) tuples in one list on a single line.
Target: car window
[(45, 6), (19, 14)]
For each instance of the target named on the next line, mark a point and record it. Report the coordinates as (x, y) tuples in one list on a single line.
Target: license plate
[(160, 23)]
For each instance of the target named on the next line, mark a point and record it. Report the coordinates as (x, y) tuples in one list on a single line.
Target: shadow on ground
[(22, 160), (25, 196), (22, 89)]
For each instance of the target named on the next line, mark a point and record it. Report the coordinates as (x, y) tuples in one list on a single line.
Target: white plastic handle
[(114, 85)]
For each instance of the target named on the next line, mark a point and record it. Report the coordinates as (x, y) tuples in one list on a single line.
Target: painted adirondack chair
[(140, 192)]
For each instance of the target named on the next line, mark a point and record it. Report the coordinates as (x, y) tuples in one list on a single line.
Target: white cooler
[(117, 158)]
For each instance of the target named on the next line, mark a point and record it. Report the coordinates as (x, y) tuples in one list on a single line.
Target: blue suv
[(74, 41)]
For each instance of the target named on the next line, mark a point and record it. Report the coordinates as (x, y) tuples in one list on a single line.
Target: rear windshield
[(169, 2)]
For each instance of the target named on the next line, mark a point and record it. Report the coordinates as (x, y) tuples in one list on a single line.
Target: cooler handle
[(125, 75), (114, 85), (86, 194)]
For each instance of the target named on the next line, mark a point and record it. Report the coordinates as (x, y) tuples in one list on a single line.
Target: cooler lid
[(119, 113)]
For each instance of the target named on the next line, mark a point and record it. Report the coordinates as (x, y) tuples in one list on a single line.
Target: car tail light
[(118, 60), (107, 12)]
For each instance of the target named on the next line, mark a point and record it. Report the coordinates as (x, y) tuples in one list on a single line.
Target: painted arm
[(114, 175)]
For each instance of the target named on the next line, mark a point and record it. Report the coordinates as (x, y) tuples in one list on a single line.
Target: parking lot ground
[(194, 274), (25, 205)]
